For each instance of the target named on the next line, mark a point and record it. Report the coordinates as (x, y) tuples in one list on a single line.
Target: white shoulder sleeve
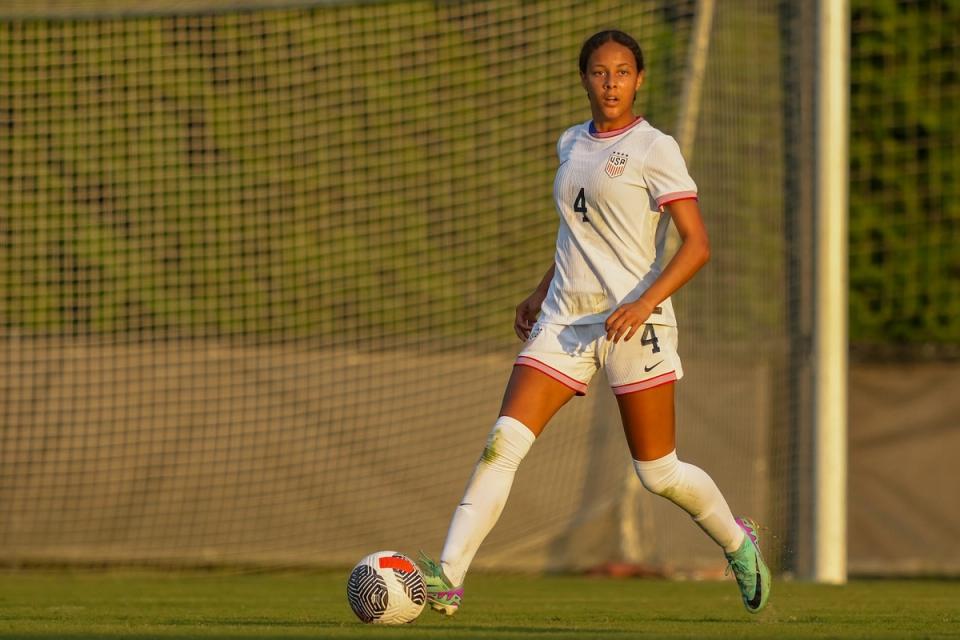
[(665, 172), (563, 144)]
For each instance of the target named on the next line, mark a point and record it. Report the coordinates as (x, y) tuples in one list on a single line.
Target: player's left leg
[(648, 422), (642, 373)]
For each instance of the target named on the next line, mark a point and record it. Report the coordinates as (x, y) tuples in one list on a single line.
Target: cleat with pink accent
[(441, 594), (753, 576)]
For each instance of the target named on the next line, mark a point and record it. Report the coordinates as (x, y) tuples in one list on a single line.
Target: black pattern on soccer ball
[(367, 593), (412, 581)]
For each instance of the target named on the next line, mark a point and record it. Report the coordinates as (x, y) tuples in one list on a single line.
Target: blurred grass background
[(146, 605)]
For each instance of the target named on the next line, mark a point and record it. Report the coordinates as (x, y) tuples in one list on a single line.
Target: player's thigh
[(642, 372), (648, 421), (533, 397), (556, 363)]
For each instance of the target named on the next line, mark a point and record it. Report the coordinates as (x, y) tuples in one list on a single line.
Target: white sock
[(485, 495), (691, 489)]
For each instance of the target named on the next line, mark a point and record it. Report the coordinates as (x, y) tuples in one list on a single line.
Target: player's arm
[(694, 252), (528, 309)]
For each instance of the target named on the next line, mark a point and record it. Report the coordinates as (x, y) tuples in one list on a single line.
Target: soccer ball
[(386, 587)]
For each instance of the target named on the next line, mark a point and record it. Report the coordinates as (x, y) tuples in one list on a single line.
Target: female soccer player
[(605, 302)]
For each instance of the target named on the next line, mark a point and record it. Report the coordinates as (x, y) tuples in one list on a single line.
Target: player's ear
[(640, 78), (583, 82)]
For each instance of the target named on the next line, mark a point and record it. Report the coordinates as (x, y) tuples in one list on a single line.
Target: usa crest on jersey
[(616, 164)]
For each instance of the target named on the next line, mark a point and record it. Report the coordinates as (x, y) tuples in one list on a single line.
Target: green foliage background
[(386, 168), (904, 168), (383, 169)]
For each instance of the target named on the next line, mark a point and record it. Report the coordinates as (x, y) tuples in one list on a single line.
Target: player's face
[(611, 81)]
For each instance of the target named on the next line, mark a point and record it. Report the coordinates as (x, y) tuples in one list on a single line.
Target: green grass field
[(70, 605)]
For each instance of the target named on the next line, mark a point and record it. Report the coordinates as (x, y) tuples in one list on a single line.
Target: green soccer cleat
[(441, 594), (748, 566)]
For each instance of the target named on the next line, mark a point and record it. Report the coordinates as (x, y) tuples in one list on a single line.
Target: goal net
[(259, 260)]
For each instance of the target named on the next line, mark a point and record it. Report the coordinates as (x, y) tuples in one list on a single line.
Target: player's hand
[(527, 314), (627, 319)]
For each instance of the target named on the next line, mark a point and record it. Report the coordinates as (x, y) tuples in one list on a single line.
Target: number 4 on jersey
[(580, 205)]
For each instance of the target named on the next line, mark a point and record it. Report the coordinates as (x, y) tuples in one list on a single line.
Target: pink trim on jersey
[(676, 195), (650, 383), (609, 134), (559, 376)]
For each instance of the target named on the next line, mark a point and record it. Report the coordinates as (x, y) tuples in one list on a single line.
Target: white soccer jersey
[(609, 191)]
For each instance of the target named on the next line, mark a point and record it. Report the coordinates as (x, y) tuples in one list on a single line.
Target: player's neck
[(611, 128)]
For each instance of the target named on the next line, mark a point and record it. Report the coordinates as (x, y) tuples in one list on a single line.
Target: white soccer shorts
[(572, 354)]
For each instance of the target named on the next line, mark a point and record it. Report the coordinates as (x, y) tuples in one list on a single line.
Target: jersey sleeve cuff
[(667, 198)]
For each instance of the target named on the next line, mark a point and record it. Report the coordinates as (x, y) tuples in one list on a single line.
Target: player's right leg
[(532, 397)]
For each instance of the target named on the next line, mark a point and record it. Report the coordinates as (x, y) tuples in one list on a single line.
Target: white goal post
[(830, 293)]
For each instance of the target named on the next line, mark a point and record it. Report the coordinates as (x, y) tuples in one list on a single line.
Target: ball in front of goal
[(386, 587)]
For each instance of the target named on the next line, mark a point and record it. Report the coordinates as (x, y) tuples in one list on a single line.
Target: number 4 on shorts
[(650, 337)]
